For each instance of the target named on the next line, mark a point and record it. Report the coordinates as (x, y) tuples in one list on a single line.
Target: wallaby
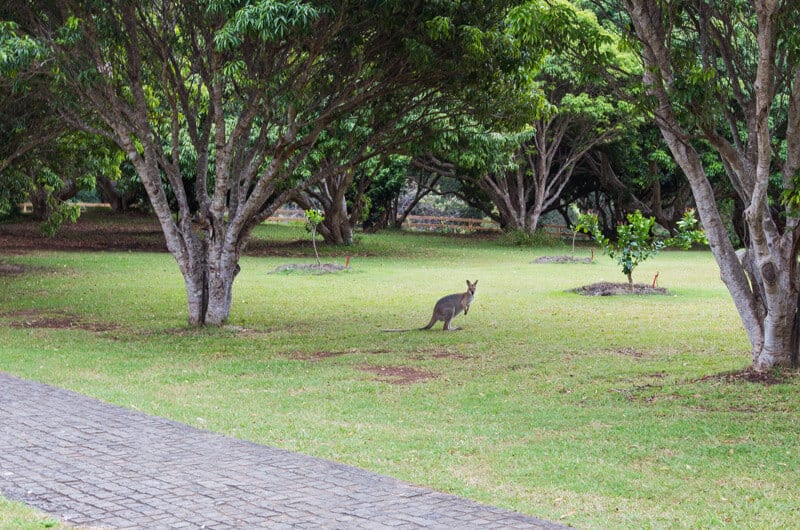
[(448, 307)]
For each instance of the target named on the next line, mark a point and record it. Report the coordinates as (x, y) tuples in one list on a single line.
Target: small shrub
[(637, 239), (523, 238), (315, 217), (516, 238)]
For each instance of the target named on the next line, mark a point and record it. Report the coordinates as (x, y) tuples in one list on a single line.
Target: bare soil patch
[(101, 230), (611, 289), (749, 375), (628, 352), (435, 353), (56, 320), (562, 259), (398, 375), (10, 269), (96, 230)]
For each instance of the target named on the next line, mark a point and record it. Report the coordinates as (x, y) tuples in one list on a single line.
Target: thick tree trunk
[(509, 192), (209, 270), (331, 194), (337, 227), (767, 300), (120, 202), (42, 201), (534, 215)]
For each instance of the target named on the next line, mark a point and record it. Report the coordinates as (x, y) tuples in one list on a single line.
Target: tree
[(382, 197), (41, 160), (346, 156), (579, 118), (635, 172), (727, 75), (637, 240), (252, 86), (26, 120), (523, 173), (314, 217)]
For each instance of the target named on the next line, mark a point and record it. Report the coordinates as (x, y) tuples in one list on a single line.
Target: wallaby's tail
[(431, 323), (399, 330)]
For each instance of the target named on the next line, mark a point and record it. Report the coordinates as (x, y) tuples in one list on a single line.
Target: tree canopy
[(724, 77), (244, 90)]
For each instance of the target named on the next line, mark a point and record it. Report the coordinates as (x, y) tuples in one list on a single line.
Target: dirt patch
[(32, 319), (562, 259), (10, 269), (96, 230), (398, 375), (309, 268), (611, 289), (322, 355), (433, 354), (628, 352), (654, 390), (749, 375), (316, 356)]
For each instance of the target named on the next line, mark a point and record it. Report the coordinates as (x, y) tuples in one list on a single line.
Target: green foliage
[(13, 190), (524, 238), (267, 20), (637, 240), (559, 26), (687, 233), (60, 212), (17, 51)]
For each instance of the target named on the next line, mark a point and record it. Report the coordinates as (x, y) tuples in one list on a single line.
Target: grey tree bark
[(766, 297)]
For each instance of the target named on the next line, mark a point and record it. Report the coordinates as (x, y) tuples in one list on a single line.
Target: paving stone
[(98, 465)]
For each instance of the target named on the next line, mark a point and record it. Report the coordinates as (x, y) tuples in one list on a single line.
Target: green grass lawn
[(598, 412)]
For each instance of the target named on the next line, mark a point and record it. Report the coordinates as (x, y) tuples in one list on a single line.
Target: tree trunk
[(331, 195), (534, 215), (767, 301), (336, 228), (120, 202), (43, 202), (39, 204), (509, 192)]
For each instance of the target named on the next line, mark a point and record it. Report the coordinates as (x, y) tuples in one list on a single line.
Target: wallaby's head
[(471, 287)]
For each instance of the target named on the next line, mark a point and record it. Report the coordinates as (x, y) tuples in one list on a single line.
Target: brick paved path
[(94, 464)]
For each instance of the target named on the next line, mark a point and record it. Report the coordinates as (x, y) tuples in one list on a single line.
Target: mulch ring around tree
[(611, 289), (561, 259), (312, 268)]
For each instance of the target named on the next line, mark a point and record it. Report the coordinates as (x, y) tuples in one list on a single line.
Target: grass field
[(598, 412)]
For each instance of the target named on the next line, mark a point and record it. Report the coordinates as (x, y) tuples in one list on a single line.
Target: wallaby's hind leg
[(447, 320)]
